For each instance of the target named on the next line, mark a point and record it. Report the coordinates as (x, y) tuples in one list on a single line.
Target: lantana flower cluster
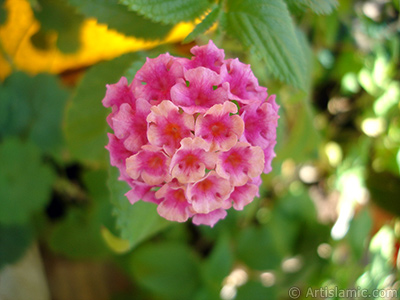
[(192, 135)]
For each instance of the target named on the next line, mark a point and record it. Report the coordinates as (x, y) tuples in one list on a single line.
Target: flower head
[(192, 135)]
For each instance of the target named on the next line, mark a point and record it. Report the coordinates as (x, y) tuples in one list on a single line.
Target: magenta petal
[(119, 93), (202, 90), (173, 205), (208, 56), (131, 126), (168, 126), (209, 193), (141, 191), (154, 80), (150, 164), (243, 85), (211, 218)]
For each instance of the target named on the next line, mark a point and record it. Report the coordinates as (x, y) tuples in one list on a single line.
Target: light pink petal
[(243, 195), (240, 163), (141, 191), (208, 56), (154, 80), (209, 219), (173, 205), (151, 164), (168, 126), (119, 93), (243, 85), (208, 193), (190, 161), (131, 126), (218, 127), (201, 92)]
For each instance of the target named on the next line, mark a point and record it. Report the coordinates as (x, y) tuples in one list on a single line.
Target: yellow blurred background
[(97, 43)]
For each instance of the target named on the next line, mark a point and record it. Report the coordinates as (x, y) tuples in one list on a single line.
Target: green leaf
[(78, 235), (255, 291), (205, 24), (85, 123), (59, 16), (3, 12), (14, 241), (218, 264), (264, 255), (25, 182), (359, 231), (136, 222), (266, 28), (321, 7), (117, 16), (170, 270), (168, 11), (34, 111), (384, 188), (302, 135)]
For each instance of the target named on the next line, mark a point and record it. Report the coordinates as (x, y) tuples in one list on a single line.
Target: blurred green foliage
[(334, 66)]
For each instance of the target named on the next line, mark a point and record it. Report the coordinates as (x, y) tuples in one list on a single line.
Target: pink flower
[(168, 126), (141, 191), (209, 193), (211, 218), (174, 205), (243, 85), (118, 94), (208, 56), (156, 78), (130, 125), (242, 195), (200, 92), (218, 127), (261, 120), (192, 136), (151, 164), (190, 161), (240, 163)]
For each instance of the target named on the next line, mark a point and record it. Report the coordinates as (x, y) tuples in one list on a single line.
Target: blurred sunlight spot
[(267, 279), (308, 174), (97, 43), (334, 153), (235, 279), (373, 127), (288, 168), (350, 83), (324, 250), (371, 10), (263, 215), (228, 292), (292, 265)]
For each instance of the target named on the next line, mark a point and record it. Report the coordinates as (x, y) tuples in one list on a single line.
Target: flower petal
[(174, 205), (211, 218), (218, 127), (202, 90), (154, 80), (150, 164), (241, 163), (190, 161), (208, 193), (167, 126)]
